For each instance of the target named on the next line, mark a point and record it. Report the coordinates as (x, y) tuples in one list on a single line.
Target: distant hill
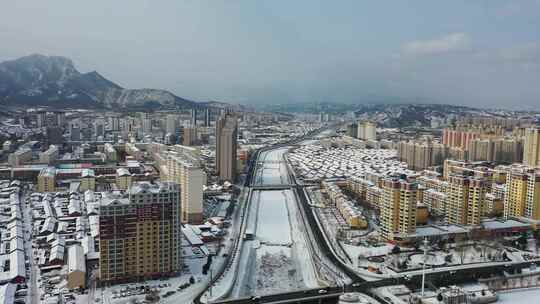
[(53, 81), (401, 115)]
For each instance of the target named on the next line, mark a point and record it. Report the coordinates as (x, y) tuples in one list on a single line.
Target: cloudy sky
[(475, 52)]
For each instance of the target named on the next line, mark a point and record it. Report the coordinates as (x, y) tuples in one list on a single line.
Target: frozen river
[(271, 169), (277, 259)]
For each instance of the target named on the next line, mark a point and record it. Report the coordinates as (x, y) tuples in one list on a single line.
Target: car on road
[(322, 291)]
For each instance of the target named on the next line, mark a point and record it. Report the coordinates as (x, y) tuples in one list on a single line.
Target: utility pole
[(424, 265)]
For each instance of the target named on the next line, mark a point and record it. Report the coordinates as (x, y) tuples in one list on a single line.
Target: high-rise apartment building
[(367, 130), (458, 139), (140, 233), (531, 153), (421, 155), (457, 199), (75, 131), (466, 196), (515, 193), (522, 193), (193, 120), (398, 207), (60, 118), (207, 117), (171, 124), (476, 200), (114, 123), (99, 128), (189, 137), (41, 119), (435, 201), (186, 171), (352, 130), (46, 180), (532, 206), (146, 123), (226, 145), (508, 150)]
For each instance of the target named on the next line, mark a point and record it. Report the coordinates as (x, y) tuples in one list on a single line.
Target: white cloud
[(447, 43)]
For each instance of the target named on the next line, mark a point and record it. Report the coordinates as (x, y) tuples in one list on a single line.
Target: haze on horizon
[(483, 53)]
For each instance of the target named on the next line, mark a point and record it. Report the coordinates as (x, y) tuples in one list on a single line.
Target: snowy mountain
[(55, 82), (410, 115)]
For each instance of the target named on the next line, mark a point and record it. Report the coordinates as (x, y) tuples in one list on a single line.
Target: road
[(27, 224)]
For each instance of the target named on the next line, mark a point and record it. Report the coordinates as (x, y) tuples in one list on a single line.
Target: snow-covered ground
[(128, 293), (520, 296)]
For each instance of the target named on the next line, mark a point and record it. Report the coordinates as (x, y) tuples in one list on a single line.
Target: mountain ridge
[(54, 81)]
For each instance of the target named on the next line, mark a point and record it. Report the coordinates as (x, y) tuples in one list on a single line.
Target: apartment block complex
[(507, 150), (420, 155)]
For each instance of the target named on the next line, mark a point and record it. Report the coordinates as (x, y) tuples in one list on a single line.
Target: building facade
[(140, 233)]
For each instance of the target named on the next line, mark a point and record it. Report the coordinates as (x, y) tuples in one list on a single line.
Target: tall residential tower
[(140, 233), (226, 137)]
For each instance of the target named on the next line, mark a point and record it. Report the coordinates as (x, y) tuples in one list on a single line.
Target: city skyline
[(483, 53), (240, 151)]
